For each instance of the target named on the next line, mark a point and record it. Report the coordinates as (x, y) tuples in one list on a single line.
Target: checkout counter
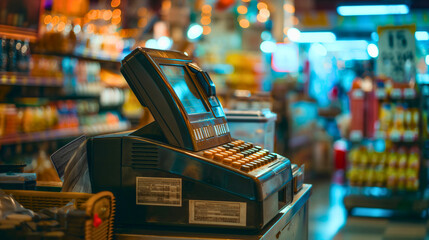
[(184, 176), (290, 223)]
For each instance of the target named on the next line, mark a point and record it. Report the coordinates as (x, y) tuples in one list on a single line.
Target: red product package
[(357, 110), (371, 117)]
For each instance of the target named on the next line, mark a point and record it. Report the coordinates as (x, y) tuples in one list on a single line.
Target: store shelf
[(87, 57), (26, 80), (63, 133), (381, 192), (408, 137), (397, 94), (375, 197), (18, 33), (94, 57)]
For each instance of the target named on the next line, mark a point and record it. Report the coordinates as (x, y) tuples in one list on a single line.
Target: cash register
[(184, 169)]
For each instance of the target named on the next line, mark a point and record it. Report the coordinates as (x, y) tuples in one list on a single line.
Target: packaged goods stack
[(58, 80), (386, 160)]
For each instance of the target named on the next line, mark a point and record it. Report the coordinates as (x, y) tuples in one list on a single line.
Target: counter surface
[(291, 223)]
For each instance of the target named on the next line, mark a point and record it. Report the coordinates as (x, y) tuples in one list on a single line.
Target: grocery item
[(395, 168)]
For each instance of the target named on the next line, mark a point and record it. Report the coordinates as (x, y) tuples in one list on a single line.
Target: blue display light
[(427, 59), (266, 35), (358, 10), (372, 50), (374, 36), (268, 46), (421, 36), (293, 34), (318, 49), (314, 37), (195, 31), (151, 43), (164, 43)]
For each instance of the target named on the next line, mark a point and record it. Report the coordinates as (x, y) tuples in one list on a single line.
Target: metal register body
[(161, 174)]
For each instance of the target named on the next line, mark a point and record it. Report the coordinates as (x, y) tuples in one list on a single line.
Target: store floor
[(328, 219)]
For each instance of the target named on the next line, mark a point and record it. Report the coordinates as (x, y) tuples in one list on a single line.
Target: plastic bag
[(76, 174), (8, 205)]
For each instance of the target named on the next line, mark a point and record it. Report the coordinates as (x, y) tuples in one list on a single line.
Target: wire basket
[(99, 206)]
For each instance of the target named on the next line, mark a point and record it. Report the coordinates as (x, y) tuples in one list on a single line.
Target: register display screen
[(184, 89)]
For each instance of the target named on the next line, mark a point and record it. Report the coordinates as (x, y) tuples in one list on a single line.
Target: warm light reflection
[(61, 26), (261, 18), (207, 30), (116, 13), (242, 9), (47, 19), (289, 8), (244, 23), (115, 3), (208, 14), (166, 5), (142, 12), (55, 20), (206, 8), (116, 20), (265, 13), (107, 15), (262, 5), (205, 20), (295, 20), (142, 22), (90, 28), (285, 30), (92, 14)]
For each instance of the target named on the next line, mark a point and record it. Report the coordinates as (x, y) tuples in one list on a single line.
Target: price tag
[(380, 135), (380, 93), (409, 93), (397, 52), (395, 136), (355, 135), (409, 136), (396, 93)]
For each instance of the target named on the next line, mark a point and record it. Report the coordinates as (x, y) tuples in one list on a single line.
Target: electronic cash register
[(184, 169)]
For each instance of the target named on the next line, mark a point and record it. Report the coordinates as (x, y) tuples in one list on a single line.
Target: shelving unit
[(414, 202), (375, 197), (16, 79), (18, 32), (62, 133), (87, 57)]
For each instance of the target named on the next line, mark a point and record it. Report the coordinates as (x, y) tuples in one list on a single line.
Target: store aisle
[(327, 214), (383, 228), (328, 219)]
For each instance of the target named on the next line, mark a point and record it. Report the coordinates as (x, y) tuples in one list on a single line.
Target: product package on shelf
[(81, 77), (388, 154), (395, 169), (398, 122), (384, 111), (14, 55), (81, 115)]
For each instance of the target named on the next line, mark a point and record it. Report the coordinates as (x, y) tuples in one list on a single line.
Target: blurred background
[(336, 85)]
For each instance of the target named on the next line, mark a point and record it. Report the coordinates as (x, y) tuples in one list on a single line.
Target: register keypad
[(241, 155)]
